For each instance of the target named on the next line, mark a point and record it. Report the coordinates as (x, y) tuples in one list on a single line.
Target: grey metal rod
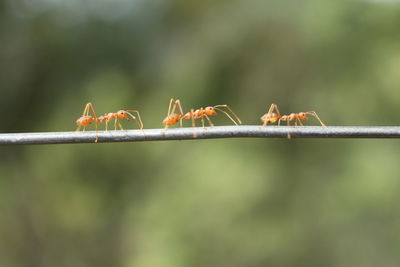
[(191, 133)]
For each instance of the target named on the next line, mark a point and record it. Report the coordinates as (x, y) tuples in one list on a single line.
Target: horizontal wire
[(191, 133)]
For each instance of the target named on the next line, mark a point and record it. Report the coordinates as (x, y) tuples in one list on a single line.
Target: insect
[(86, 119), (201, 113), (121, 114), (273, 115)]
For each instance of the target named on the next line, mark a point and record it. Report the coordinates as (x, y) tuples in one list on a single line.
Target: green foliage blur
[(228, 202)]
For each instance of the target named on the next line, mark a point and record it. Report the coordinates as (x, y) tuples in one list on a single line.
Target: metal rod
[(191, 133)]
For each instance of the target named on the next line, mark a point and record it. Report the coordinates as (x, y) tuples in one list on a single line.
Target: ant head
[(122, 114), (210, 111), (302, 116)]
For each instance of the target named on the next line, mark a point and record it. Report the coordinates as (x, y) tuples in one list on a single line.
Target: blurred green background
[(227, 202)]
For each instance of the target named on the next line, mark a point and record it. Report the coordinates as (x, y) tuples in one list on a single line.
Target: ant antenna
[(313, 113), (218, 107), (138, 120)]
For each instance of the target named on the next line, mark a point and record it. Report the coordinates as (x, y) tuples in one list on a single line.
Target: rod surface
[(191, 133)]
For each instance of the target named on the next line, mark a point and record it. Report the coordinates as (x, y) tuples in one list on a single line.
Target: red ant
[(272, 117), (173, 118), (121, 114), (87, 119)]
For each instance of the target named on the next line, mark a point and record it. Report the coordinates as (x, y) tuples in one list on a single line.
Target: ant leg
[(120, 126), (192, 117), (95, 120), (209, 121), (178, 104), (175, 103), (169, 110), (272, 108), (170, 105), (300, 122), (85, 113), (296, 121), (193, 121), (202, 117), (86, 109), (313, 113), (276, 109), (173, 108), (231, 111), (288, 134)]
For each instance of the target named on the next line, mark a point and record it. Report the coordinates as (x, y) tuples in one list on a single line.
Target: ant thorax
[(292, 116)]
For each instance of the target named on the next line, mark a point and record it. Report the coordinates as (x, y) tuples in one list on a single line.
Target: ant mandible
[(173, 118)]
